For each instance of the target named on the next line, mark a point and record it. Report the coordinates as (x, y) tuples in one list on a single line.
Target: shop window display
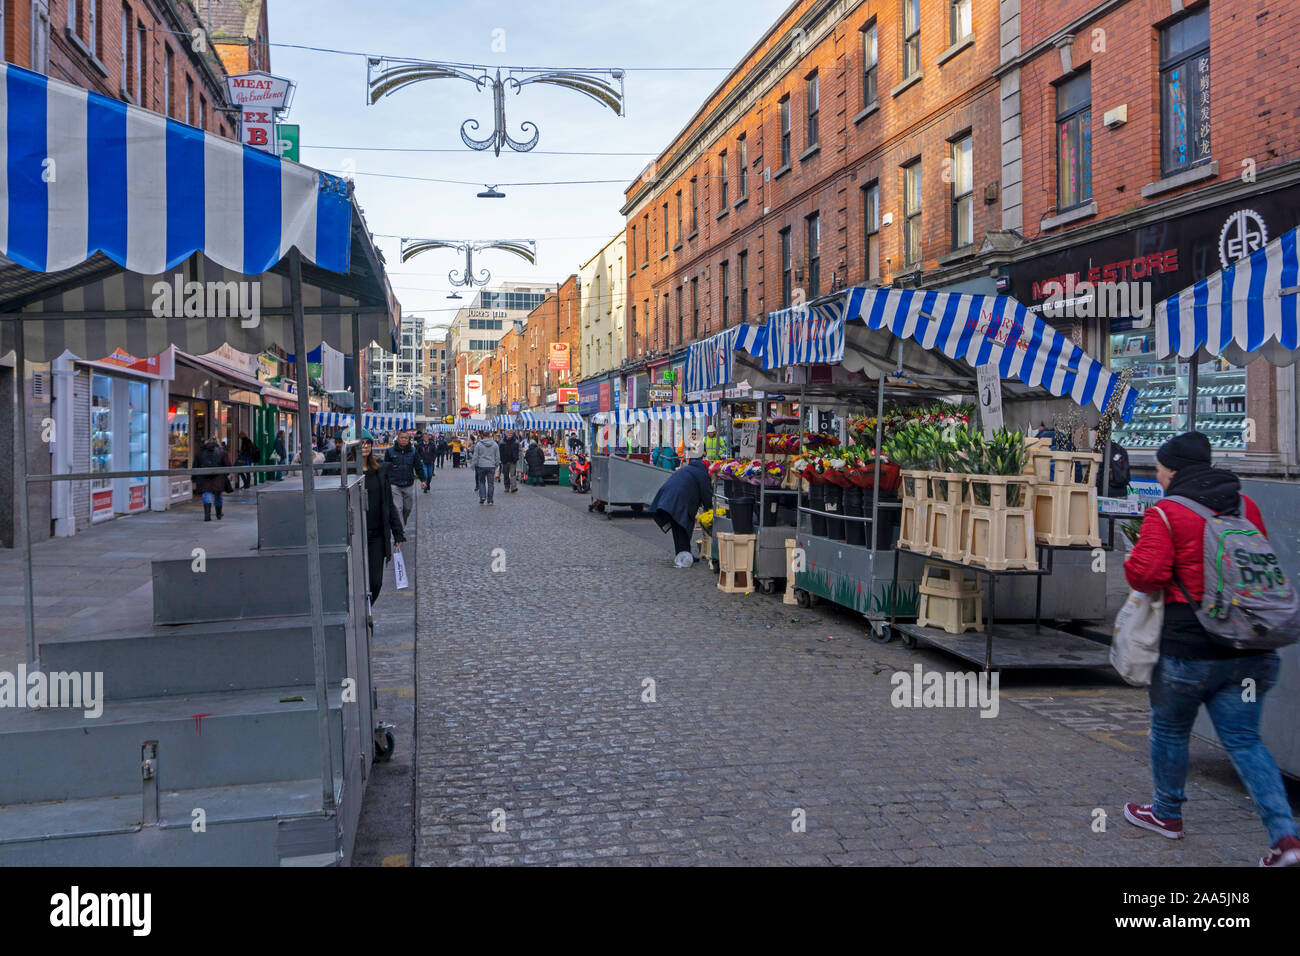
[(1161, 410)]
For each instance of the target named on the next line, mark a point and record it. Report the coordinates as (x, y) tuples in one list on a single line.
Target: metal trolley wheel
[(767, 585), (385, 745), (802, 597), (880, 632)]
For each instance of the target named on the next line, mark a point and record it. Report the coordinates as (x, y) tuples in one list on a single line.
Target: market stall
[(621, 480), (556, 428), (1249, 310), (852, 352)]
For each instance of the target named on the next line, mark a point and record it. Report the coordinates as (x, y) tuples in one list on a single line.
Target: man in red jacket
[(1193, 669)]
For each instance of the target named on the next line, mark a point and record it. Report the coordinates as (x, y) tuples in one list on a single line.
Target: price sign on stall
[(989, 386), (748, 439)]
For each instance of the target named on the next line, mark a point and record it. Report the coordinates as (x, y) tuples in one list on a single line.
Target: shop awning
[(709, 364), (373, 421), (665, 413), (560, 420), (974, 330), (226, 376), (280, 397), (504, 421), (332, 420), (153, 233), (1250, 309)]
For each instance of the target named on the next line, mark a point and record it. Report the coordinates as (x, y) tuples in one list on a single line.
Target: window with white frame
[(911, 37), (963, 192)]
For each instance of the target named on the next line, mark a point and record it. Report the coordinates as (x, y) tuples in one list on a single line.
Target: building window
[(679, 216), (911, 37), (724, 288), (126, 51), (742, 156), (1074, 142), (870, 63), (784, 106), (189, 99), (871, 229), (645, 232), (695, 222), (814, 106), (722, 167), (695, 308), (633, 310), (167, 80), (912, 214), (40, 40), (742, 270), (141, 61), (633, 265), (92, 28), (814, 223), (958, 20), (665, 228), (203, 112), (1185, 93), (963, 193), (680, 317), (787, 268)]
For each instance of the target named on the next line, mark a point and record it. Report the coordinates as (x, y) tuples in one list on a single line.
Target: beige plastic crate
[(945, 535), (1066, 515), (955, 614), (736, 562), (914, 489), (1066, 468), (1000, 536)]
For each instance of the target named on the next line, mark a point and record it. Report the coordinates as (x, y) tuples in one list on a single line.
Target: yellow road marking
[(397, 859)]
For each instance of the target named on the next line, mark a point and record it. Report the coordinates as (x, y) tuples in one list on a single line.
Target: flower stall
[(906, 509)]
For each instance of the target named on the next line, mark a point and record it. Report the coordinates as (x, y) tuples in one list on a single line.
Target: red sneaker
[(1285, 852), (1142, 815)]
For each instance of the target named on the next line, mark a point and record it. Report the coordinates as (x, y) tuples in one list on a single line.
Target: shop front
[(214, 395), (113, 410), (1103, 293)]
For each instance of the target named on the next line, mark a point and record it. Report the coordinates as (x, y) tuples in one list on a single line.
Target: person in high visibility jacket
[(715, 447)]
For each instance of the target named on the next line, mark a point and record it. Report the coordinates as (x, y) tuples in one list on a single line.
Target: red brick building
[(1151, 143), (849, 145), (153, 53), (557, 319)]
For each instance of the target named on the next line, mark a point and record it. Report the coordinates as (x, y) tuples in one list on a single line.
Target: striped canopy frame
[(1249, 309)]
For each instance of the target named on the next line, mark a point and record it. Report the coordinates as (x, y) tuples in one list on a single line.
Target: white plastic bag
[(399, 571), (1135, 645)]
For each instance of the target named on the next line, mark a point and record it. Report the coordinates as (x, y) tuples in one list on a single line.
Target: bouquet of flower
[(809, 465), (705, 519)]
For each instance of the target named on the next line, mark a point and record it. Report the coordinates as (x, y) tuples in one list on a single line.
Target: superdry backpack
[(1248, 604)]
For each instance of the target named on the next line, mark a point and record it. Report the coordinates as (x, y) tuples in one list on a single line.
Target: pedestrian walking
[(484, 460), (211, 455), (509, 461), (440, 449), (384, 529), (281, 452), (428, 454), (714, 447), (404, 467), (1194, 668), (334, 457), (534, 457), (469, 454), (676, 504), (247, 456), (454, 446)]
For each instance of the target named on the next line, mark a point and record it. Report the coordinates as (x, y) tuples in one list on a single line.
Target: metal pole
[(24, 513), (1193, 367), (313, 538)]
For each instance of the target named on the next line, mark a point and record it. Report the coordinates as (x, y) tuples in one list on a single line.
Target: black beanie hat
[(1189, 448)]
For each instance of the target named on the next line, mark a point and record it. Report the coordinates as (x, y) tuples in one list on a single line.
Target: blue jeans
[(1178, 688), (212, 497)]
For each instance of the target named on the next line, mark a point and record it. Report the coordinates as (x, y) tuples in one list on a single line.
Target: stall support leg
[(1193, 370), (993, 616), (313, 537), (893, 593), (24, 508)]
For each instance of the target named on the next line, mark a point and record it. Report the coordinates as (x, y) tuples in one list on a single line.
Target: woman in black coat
[(211, 455), (534, 458), (677, 501), (383, 523)]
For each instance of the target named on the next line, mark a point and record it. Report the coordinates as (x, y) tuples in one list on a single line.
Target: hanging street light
[(525, 249), (385, 75)]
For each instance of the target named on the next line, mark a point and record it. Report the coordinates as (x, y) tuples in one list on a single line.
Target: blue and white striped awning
[(539, 420), (332, 420), (975, 329), (665, 413), (474, 425), (1250, 309), (149, 192), (504, 421), (375, 422), (709, 363)]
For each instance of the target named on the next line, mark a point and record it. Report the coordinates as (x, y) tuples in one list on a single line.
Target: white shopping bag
[(1135, 646), (399, 571)]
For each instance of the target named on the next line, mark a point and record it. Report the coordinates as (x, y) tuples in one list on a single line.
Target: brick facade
[(860, 139)]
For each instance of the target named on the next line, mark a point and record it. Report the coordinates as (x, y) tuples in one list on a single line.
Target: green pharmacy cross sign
[(286, 141)]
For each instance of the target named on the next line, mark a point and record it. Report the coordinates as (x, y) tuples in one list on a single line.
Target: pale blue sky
[(571, 223)]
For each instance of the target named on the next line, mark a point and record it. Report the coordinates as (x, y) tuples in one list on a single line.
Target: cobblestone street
[(537, 743)]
